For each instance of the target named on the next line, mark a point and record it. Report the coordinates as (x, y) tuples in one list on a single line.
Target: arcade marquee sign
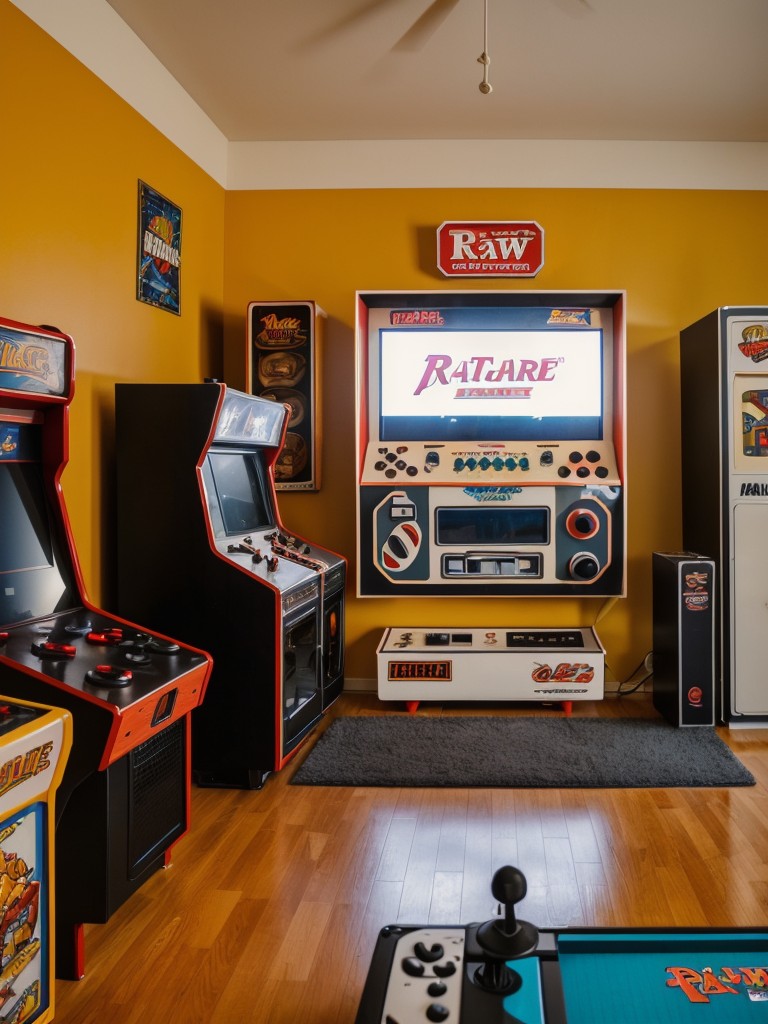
[(490, 248)]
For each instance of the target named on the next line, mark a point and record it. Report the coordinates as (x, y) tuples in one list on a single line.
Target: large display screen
[(238, 499), (517, 384), (35, 579)]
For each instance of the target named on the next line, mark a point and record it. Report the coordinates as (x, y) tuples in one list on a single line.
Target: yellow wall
[(73, 155), (677, 254)]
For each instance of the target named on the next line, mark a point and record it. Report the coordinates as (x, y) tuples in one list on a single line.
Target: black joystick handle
[(509, 887), (510, 938)]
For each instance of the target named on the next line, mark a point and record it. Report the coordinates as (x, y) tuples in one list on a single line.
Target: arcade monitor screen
[(485, 384), (34, 579), (238, 497)]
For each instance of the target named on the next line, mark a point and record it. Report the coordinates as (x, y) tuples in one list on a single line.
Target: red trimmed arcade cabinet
[(212, 560), (124, 797)]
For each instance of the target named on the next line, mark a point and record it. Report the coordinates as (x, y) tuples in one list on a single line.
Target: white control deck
[(442, 664)]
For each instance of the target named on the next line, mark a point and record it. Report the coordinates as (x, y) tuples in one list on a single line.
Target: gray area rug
[(525, 752)]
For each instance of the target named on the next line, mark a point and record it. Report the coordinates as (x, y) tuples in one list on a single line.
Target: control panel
[(491, 462), (479, 974), (144, 680)]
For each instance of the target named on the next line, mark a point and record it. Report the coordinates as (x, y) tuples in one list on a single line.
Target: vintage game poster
[(159, 251), (283, 365)]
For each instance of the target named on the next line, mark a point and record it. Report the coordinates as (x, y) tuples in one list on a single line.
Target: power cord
[(624, 688)]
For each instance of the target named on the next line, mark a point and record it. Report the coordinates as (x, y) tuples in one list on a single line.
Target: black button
[(584, 567), (397, 547), (445, 970), (436, 952), (602, 472), (437, 1012), (437, 988), (563, 471), (583, 524), (582, 471), (413, 966), (593, 456), (575, 457)]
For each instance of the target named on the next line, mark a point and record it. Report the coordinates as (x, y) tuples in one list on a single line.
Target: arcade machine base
[(416, 664)]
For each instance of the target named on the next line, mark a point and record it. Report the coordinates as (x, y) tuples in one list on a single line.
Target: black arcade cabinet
[(124, 797), (203, 553)]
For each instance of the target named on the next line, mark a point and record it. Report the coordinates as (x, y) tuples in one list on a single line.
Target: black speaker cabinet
[(684, 637)]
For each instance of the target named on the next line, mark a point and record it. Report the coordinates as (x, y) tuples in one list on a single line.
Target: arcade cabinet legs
[(143, 797)]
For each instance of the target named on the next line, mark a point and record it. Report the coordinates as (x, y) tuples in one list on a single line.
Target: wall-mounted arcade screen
[(474, 402), (488, 384)]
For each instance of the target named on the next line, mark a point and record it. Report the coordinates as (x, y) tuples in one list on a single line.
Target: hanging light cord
[(485, 86)]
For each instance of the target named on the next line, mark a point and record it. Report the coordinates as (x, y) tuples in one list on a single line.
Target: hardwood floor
[(271, 908)]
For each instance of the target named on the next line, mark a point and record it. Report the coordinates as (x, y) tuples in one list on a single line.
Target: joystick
[(460, 975), (508, 938), (502, 939)]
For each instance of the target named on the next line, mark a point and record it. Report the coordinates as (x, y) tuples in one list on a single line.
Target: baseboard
[(361, 685)]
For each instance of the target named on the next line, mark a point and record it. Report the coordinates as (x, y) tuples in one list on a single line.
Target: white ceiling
[(280, 70)]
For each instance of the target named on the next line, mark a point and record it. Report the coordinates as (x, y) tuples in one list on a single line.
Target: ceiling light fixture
[(485, 86)]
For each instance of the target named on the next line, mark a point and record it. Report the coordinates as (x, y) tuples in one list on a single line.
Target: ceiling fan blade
[(347, 21), (426, 25), (573, 7)]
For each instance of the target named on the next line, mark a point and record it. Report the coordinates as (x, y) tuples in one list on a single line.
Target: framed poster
[(159, 251), (283, 365)]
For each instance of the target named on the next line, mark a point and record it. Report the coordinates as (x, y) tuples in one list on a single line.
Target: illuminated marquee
[(438, 670)]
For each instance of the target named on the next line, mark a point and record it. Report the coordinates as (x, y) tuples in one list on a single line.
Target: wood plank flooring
[(271, 908)]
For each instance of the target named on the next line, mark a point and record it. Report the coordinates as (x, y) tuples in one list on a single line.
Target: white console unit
[(443, 664)]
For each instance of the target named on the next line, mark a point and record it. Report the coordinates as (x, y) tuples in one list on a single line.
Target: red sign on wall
[(490, 248)]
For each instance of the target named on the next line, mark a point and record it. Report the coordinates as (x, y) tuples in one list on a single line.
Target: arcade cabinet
[(724, 414), (491, 463), (34, 745), (206, 555), (124, 797)]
